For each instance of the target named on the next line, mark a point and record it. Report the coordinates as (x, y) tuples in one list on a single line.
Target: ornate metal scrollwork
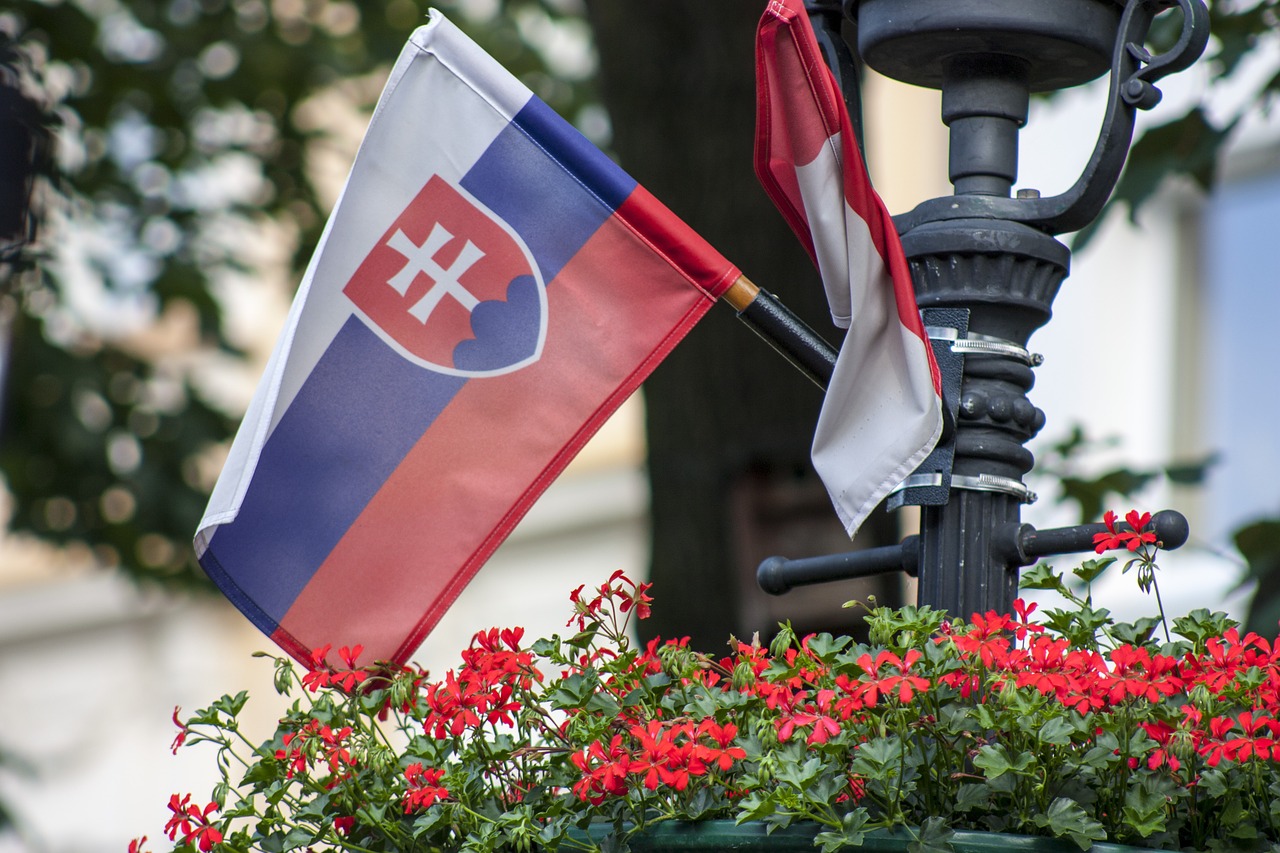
[(1134, 72)]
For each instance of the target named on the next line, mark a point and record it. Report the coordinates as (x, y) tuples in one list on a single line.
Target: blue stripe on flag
[(548, 206), (328, 456)]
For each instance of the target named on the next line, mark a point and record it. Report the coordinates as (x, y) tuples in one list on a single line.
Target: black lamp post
[(987, 266)]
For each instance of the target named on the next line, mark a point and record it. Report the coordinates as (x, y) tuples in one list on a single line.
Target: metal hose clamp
[(978, 344)]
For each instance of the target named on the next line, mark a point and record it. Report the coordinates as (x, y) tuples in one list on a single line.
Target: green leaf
[(313, 808), (850, 834), (373, 812), (1199, 625), (1274, 802), (261, 772), (824, 645), (657, 681), (1238, 816), (572, 692), (701, 804), (1041, 576), (551, 833), (1191, 473), (300, 837), (1214, 782), (1259, 544), (876, 756), (1145, 808), (546, 646), (1187, 145), (973, 795), (275, 791), (1081, 625), (1059, 730), (1067, 818), (232, 705), (1089, 570), (995, 760), (1099, 757), (1135, 633), (801, 776), (602, 703), (1092, 494), (905, 627), (583, 638), (934, 837), (755, 806), (987, 715), (428, 820)]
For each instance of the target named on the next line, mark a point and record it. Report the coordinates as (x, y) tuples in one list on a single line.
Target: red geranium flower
[(181, 737), (1134, 538)]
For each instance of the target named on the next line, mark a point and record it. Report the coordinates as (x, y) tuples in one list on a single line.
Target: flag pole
[(790, 336)]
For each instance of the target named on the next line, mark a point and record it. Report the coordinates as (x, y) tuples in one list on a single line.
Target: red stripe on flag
[(684, 248), (614, 313)]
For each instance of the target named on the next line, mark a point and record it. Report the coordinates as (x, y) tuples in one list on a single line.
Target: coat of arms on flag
[(453, 287)]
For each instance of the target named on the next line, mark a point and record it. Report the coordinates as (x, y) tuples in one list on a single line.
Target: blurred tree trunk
[(729, 422)]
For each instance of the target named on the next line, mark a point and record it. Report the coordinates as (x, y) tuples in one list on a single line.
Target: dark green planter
[(719, 835)]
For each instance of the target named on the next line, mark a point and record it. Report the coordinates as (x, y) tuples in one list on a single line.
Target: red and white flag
[(883, 411)]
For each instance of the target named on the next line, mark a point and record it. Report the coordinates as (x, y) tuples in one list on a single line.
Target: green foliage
[(1068, 819), (102, 447), (1187, 146)]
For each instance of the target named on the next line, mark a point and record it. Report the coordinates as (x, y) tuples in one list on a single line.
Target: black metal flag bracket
[(930, 484)]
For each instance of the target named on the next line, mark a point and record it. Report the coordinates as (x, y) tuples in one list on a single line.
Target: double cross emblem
[(447, 280)]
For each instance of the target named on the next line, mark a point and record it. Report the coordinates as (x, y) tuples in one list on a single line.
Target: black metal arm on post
[(777, 575), (1023, 545), (1018, 544)]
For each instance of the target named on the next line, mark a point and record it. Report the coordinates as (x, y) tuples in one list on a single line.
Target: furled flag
[(883, 413), (488, 289)]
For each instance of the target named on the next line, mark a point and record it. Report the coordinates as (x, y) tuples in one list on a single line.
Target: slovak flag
[(488, 289), (882, 413)]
